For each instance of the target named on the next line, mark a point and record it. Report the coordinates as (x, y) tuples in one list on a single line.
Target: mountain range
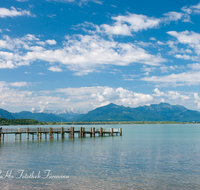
[(113, 112)]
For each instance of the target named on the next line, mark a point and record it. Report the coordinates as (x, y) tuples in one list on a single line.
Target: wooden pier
[(39, 132)]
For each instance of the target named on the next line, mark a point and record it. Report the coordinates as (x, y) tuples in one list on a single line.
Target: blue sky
[(82, 54)]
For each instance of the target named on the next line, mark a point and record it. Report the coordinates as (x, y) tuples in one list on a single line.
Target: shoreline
[(10, 122)]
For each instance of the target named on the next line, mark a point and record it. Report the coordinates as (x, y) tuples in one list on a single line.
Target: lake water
[(145, 157)]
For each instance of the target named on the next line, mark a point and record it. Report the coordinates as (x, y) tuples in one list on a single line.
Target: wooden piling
[(93, 131), (120, 131), (90, 131), (84, 135), (32, 136), (100, 134), (111, 131), (40, 133), (27, 130), (81, 132), (15, 136), (3, 137), (50, 132), (62, 133), (71, 132), (37, 133)]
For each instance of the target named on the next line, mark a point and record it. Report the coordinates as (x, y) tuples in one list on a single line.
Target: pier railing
[(39, 131)]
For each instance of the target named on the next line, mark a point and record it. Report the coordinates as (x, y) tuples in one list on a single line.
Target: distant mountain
[(66, 114), (59, 112), (6, 114), (37, 116), (113, 112), (154, 112)]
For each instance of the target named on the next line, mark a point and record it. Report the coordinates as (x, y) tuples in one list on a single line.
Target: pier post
[(120, 131), (71, 132), (37, 133), (15, 136), (90, 131), (32, 136), (84, 135), (20, 135), (50, 132), (46, 135), (0, 136), (111, 131), (62, 133), (3, 137), (40, 133), (93, 131), (81, 131), (100, 134), (27, 130)]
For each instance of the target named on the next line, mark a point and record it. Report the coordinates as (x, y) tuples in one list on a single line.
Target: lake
[(144, 157)]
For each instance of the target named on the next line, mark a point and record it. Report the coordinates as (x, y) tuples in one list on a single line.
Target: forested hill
[(113, 112), (154, 112)]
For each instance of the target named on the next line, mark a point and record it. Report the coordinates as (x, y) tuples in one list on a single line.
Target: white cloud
[(81, 54), (18, 84), (158, 93), (22, 0), (189, 38), (152, 38), (164, 69), (195, 9), (51, 42), (51, 16), (197, 99), (194, 66), (125, 25), (79, 2), (186, 78), (175, 16), (160, 43), (55, 69), (88, 97), (14, 12)]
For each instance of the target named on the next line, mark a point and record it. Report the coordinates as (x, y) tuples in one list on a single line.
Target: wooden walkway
[(59, 131)]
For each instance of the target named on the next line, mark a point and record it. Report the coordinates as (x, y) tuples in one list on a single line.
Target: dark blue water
[(145, 157)]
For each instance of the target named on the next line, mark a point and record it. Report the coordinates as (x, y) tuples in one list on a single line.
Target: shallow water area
[(144, 157)]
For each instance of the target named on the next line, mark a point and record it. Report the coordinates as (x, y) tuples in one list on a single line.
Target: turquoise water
[(145, 157)]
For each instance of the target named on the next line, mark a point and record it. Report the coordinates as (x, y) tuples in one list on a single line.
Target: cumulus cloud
[(13, 12), (125, 25), (55, 69), (194, 66), (175, 16), (51, 42), (195, 9), (130, 23), (81, 54), (197, 99), (190, 38), (185, 78), (87, 97), (18, 84)]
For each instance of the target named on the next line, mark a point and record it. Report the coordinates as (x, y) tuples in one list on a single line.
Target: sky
[(83, 54)]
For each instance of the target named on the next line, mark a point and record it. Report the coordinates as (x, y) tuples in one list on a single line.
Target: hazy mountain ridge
[(58, 112), (113, 112), (154, 112)]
